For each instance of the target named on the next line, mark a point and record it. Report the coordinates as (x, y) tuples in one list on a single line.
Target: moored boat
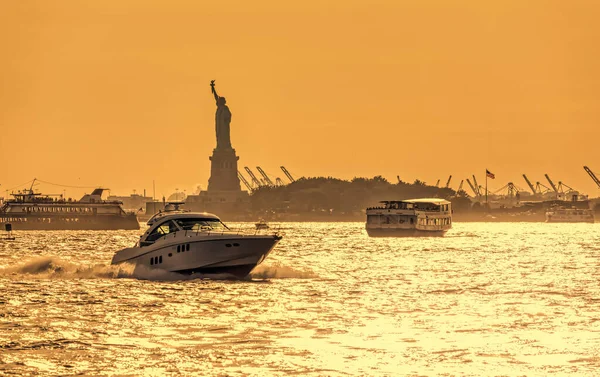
[(413, 217)]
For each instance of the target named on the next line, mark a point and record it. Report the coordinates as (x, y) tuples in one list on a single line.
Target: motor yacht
[(197, 243)]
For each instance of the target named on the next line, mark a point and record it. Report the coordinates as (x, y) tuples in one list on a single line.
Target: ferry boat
[(413, 217), (29, 210), (569, 215), (197, 243)]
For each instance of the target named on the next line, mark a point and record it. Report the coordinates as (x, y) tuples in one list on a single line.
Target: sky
[(116, 92)]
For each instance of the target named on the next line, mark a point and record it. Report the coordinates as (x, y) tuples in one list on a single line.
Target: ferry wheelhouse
[(413, 217), (29, 210)]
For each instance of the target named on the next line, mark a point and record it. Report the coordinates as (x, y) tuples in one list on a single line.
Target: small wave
[(278, 271)]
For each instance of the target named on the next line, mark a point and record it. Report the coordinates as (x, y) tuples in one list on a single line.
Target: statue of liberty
[(222, 120)]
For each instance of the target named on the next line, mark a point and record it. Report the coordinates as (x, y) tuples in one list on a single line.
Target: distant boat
[(569, 215), (413, 217), (261, 225), (30, 210)]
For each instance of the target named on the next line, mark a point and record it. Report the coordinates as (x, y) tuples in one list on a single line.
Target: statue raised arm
[(214, 92)]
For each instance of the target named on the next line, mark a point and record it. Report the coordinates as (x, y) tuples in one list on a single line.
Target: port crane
[(538, 188), (244, 181), (255, 180), (287, 174), (448, 181), (561, 188), (476, 185), (437, 184), (279, 182), (511, 190), (268, 181), (473, 188), (551, 183), (460, 185), (592, 175), (531, 186)]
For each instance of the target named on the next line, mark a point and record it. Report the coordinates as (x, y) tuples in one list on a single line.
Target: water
[(486, 300)]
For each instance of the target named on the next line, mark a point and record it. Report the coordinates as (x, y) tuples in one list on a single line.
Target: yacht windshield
[(201, 224), (162, 230)]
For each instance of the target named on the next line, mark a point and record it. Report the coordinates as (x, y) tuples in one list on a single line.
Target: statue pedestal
[(224, 171)]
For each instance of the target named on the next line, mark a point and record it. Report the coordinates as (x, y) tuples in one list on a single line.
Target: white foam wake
[(50, 267)]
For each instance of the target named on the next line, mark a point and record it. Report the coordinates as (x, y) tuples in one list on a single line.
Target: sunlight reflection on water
[(487, 299)]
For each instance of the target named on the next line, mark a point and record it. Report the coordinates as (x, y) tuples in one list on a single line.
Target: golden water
[(486, 300)]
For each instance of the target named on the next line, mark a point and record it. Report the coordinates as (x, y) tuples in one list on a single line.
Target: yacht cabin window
[(163, 229), (200, 224)]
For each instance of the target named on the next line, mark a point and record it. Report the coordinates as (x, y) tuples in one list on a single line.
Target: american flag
[(490, 174)]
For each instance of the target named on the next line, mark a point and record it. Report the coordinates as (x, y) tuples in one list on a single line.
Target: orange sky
[(116, 92)]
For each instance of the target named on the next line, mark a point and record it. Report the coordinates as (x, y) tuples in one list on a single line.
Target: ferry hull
[(588, 221), (389, 232), (107, 223)]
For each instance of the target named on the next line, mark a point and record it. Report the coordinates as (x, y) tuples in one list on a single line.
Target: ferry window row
[(390, 219), (439, 221), (58, 209), (432, 207)]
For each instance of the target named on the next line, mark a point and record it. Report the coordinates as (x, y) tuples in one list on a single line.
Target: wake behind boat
[(197, 242)]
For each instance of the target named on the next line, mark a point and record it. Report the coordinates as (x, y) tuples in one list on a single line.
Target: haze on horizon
[(116, 93)]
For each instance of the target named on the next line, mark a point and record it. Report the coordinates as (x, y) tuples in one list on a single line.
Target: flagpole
[(486, 190)]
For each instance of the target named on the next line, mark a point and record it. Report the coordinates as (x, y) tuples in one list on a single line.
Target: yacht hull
[(197, 254)]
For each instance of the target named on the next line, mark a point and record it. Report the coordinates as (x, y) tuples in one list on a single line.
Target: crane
[(287, 174), (279, 182), (253, 177), (538, 188), (551, 183), (561, 187), (460, 186), (437, 184), (472, 187), (512, 189), (265, 176), (592, 175), (529, 184), (243, 179), (483, 189), (448, 181), (476, 185)]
